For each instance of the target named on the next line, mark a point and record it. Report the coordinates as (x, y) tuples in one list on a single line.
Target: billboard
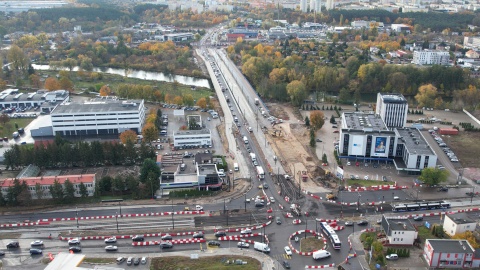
[(357, 148), (380, 146)]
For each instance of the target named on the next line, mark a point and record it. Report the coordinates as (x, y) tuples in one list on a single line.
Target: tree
[(128, 136), (307, 121), (202, 103), (56, 190), (118, 184), (35, 81), (52, 84), (17, 58), (149, 174), (317, 119), (66, 84), (105, 91), (38, 191), (470, 236), (332, 119), (433, 176), (149, 132), (188, 100), (297, 92), (312, 138), (69, 191), (324, 158), (4, 118), (83, 190), (426, 96)]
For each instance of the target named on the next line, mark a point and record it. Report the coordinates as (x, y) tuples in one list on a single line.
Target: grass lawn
[(368, 183), (7, 129), (205, 263), (310, 244), (466, 147), (99, 260), (424, 233)]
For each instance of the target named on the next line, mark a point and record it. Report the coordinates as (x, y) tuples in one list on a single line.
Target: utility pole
[(76, 214), (173, 221), (116, 218)]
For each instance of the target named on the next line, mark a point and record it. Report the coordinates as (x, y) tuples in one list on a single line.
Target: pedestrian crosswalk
[(281, 257)]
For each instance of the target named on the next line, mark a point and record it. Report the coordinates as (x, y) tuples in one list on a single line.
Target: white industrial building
[(458, 223), (431, 57), (192, 138), (98, 117), (47, 99), (399, 231), (366, 136), (392, 108)]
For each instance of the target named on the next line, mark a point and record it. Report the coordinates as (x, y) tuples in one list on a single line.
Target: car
[(357, 177), (288, 251), (349, 163), (247, 200), (74, 241), (36, 243), (112, 239), (396, 198), (265, 186), (259, 204), (366, 164), (129, 260), (198, 235), (2, 253), (220, 233), (120, 260), (246, 231), (35, 251), (318, 140), (143, 260), (443, 189), (111, 248), (365, 177), (375, 165), (213, 243), (392, 257), (286, 265), (418, 218), (384, 178), (75, 249), (260, 186), (334, 126), (136, 261), (272, 200), (379, 221), (138, 238), (348, 223), (255, 163), (362, 223), (335, 131), (243, 245), (167, 237), (166, 245), (278, 220)]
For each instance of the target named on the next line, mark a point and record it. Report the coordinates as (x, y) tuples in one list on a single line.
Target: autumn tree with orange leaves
[(128, 136)]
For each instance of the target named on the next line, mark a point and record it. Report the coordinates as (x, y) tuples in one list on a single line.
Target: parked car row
[(451, 155)]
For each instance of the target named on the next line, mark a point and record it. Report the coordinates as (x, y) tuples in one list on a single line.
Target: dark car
[(286, 265), (198, 235), (220, 233), (138, 238), (443, 189), (418, 218), (362, 223), (214, 243), (75, 249), (166, 245), (35, 251), (13, 244), (167, 237), (2, 253), (136, 261), (265, 186)]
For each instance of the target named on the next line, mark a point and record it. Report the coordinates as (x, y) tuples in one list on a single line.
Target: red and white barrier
[(375, 188), (368, 230), (301, 232), (24, 224), (327, 220), (320, 266), (187, 241), (127, 216), (127, 236), (297, 221), (251, 228)]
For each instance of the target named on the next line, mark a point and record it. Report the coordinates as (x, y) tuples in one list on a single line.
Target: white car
[(246, 231), (348, 163), (36, 243), (272, 200), (143, 260), (111, 248), (365, 177), (74, 241), (243, 245), (112, 239), (288, 251)]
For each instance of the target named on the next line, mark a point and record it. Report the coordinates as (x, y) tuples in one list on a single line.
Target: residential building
[(392, 108), (401, 28), (98, 117), (178, 37), (472, 54), (399, 231), (189, 138), (458, 223), (431, 57), (303, 5), (471, 42), (46, 181), (448, 253)]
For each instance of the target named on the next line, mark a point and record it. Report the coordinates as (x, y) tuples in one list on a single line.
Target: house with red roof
[(46, 181)]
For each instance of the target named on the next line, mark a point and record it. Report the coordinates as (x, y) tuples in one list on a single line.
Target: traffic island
[(206, 263), (311, 243)]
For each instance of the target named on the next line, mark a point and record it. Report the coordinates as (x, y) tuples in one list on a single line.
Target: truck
[(260, 173), (320, 254), (253, 157), (257, 101), (448, 131), (295, 209), (262, 247)]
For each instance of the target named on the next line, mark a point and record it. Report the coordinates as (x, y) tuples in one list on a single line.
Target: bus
[(330, 233), (420, 206), (260, 173)]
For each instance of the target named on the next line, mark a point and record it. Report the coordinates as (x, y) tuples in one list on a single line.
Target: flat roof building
[(101, 116), (392, 108), (448, 253), (189, 138), (47, 99), (399, 231), (458, 223)]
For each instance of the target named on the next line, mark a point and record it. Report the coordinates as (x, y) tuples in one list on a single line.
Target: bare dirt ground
[(291, 143), (465, 145)]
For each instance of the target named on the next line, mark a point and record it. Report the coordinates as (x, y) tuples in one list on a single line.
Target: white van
[(245, 139), (320, 254), (163, 133), (235, 167), (183, 166)]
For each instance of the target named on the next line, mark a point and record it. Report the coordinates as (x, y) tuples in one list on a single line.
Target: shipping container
[(448, 131)]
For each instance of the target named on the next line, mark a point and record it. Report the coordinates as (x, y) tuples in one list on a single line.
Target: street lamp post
[(119, 205), (306, 222), (358, 202), (76, 215), (173, 221), (473, 194), (116, 219), (245, 202), (418, 191)]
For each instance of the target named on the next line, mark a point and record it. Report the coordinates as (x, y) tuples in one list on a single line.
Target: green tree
[(83, 190), (38, 191), (69, 191), (105, 184), (297, 92), (149, 174), (307, 121), (56, 190), (433, 176), (312, 138), (324, 158), (3, 202), (118, 184)]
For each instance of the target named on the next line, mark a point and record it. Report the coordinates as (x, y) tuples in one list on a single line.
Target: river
[(143, 75)]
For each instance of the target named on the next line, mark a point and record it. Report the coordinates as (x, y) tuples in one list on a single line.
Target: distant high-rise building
[(303, 5), (317, 7), (330, 5)]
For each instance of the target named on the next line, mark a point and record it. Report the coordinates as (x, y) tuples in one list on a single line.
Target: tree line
[(77, 154)]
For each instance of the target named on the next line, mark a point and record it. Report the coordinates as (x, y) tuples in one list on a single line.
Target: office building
[(399, 231), (47, 100), (430, 57), (192, 138), (393, 109)]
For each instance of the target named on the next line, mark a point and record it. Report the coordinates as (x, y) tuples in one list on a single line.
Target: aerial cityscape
[(293, 134)]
